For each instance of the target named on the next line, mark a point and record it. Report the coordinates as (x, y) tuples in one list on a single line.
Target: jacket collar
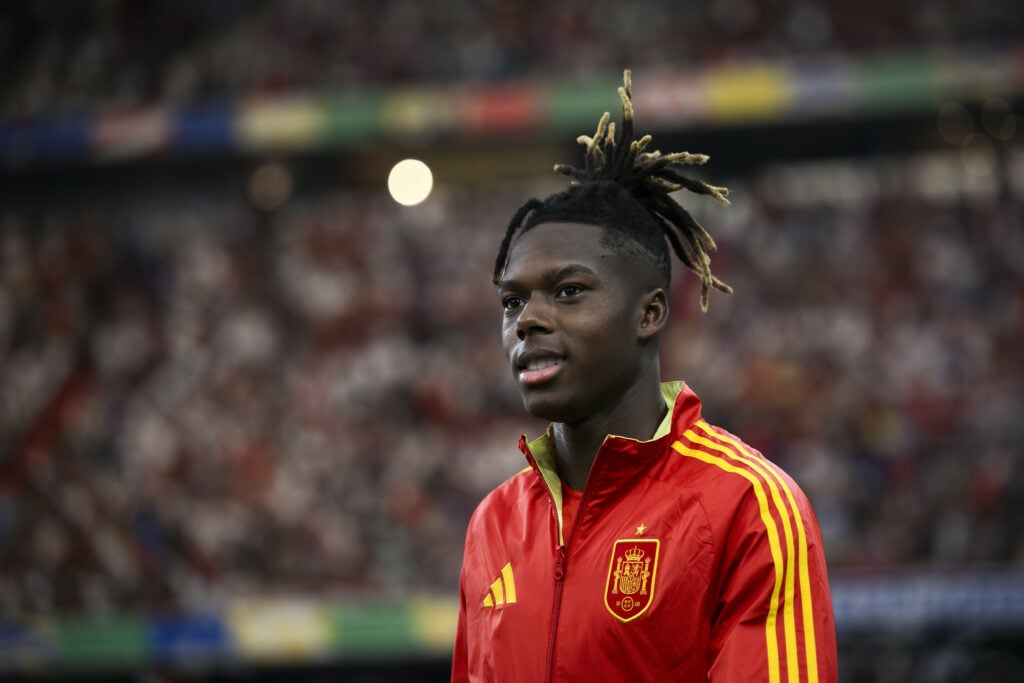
[(620, 459)]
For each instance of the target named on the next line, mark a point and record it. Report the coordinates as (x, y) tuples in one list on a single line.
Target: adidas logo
[(503, 590)]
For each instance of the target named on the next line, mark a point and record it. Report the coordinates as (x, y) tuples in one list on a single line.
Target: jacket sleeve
[(773, 614)]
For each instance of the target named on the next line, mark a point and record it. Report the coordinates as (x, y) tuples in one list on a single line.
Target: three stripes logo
[(503, 590)]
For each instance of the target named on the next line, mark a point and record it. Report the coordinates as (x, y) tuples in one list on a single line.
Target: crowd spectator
[(62, 57)]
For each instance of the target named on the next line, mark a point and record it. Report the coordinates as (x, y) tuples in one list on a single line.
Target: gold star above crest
[(641, 529)]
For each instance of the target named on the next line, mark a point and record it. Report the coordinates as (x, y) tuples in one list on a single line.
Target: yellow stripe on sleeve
[(788, 615), (771, 637), (806, 601)]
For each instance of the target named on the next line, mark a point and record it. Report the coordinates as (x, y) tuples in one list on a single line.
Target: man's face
[(572, 313)]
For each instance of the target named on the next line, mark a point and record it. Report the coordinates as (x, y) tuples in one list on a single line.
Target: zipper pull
[(560, 563)]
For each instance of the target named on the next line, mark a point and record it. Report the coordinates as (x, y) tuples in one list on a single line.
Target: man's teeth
[(541, 364)]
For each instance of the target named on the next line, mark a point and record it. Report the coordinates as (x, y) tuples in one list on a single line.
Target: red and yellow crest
[(629, 589)]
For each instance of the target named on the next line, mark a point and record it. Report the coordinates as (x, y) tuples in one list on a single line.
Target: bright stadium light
[(410, 182)]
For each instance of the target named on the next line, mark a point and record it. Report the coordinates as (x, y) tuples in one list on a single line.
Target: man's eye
[(570, 290), (510, 303)]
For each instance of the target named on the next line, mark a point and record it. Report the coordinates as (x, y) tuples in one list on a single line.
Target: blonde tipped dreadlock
[(648, 177)]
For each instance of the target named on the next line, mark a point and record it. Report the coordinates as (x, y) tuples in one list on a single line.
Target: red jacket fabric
[(692, 558)]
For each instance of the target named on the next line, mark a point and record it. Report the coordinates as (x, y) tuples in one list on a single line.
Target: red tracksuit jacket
[(692, 558)]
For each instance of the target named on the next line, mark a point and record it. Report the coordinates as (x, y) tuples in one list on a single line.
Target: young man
[(642, 543)]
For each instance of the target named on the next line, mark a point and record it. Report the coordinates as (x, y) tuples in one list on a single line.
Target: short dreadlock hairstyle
[(627, 191)]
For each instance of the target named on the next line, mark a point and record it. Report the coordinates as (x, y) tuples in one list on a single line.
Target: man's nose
[(535, 318)]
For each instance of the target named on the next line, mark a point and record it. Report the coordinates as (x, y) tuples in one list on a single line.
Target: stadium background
[(247, 401)]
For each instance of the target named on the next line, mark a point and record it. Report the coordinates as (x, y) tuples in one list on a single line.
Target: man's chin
[(548, 408)]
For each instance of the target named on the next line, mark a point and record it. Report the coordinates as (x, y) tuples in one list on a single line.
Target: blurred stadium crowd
[(203, 401), (73, 56), (200, 401)]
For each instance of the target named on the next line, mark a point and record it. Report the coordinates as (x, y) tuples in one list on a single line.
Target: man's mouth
[(539, 371)]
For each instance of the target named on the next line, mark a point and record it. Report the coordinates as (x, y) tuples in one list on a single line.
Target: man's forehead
[(552, 251)]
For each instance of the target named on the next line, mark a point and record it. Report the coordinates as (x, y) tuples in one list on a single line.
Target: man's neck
[(637, 416)]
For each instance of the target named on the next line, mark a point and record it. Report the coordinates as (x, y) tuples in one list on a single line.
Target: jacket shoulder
[(737, 473), (506, 496)]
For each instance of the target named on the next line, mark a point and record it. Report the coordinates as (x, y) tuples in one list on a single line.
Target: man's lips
[(540, 371), (537, 366)]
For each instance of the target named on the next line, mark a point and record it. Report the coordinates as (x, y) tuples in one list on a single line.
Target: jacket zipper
[(560, 554), (561, 557)]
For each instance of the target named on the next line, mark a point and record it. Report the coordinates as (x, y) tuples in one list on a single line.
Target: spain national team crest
[(630, 586)]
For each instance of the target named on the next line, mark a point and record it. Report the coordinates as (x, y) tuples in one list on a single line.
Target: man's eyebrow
[(551, 275), (571, 269)]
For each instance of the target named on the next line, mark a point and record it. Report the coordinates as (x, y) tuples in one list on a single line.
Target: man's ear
[(654, 314)]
